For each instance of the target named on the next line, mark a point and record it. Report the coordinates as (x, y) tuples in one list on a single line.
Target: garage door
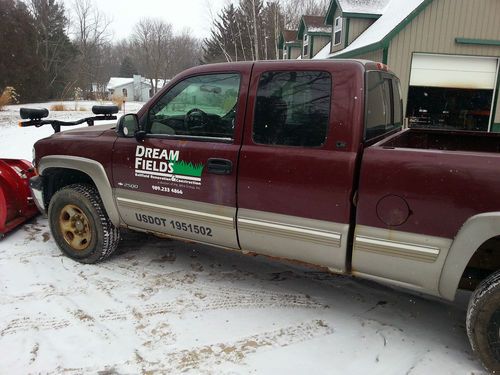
[(460, 72)]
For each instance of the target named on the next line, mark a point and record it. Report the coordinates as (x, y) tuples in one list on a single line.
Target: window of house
[(125, 93), (201, 106), (292, 108), (337, 31), (383, 105), (306, 45)]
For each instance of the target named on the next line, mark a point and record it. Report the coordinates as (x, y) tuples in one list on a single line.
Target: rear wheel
[(483, 322), (80, 225)]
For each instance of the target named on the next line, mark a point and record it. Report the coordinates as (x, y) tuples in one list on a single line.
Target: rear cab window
[(292, 108), (384, 106)]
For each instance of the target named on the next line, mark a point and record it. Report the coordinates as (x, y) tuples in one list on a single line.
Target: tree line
[(250, 29), (47, 54)]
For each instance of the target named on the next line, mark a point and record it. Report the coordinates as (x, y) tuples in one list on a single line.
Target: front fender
[(476, 231), (94, 170)]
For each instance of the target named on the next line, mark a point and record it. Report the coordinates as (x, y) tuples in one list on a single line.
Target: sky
[(182, 14)]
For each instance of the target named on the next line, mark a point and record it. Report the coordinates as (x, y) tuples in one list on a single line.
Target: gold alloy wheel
[(75, 227)]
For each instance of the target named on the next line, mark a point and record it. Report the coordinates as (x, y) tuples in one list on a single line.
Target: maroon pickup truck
[(302, 160)]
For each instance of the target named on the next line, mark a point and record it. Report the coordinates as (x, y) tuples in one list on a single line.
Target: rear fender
[(94, 170), (476, 231)]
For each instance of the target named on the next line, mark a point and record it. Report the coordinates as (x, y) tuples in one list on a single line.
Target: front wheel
[(483, 322), (80, 225)]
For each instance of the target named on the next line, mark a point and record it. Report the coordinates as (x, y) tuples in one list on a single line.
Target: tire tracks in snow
[(205, 357)]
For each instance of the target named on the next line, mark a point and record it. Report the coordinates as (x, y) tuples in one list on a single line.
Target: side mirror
[(128, 125)]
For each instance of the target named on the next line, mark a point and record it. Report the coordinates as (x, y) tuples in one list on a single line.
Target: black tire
[(96, 237), (483, 322)]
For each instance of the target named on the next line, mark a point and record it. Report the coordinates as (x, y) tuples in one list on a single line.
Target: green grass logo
[(187, 169)]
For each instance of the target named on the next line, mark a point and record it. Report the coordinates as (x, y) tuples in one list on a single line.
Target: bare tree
[(293, 10), (151, 42), (92, 39)]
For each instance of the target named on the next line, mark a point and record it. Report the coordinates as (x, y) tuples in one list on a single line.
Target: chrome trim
[(394, 248), (190, 137), (288, 230)]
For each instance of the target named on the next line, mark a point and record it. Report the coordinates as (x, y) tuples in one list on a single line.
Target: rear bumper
[(36, 187)]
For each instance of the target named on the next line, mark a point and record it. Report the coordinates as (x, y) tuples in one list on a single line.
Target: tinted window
[(203, 106), (383, 114), (292, 108)]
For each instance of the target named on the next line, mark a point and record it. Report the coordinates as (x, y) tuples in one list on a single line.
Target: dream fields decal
[(166, 166)]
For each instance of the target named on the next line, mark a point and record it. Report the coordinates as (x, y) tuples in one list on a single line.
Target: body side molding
[(94, 170)]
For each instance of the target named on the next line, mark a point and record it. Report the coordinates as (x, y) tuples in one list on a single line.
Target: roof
[(313, 24), (287, 36), (356, 9), (363, 6), (397, 15), (115, 82)]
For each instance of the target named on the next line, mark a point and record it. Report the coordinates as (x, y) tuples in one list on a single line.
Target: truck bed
[(444, 140)]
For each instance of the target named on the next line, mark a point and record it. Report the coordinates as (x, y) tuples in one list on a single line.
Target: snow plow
[(16, 202)]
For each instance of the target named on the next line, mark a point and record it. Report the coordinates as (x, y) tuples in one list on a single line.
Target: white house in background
[(137, 88)]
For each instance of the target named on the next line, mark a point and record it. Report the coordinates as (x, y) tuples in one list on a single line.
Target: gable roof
[(356, 9), (287, 36), (396, 16), (313, 24)]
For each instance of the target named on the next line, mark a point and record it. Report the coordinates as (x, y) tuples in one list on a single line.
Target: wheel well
[(57, 178), (483, 263)]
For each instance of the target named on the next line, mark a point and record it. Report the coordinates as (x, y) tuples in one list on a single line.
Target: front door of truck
[(181, 179), (297, 165)]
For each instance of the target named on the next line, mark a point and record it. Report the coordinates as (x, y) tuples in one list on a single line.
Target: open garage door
[(449, 91)]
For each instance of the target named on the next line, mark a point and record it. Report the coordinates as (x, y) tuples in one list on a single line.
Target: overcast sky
[(182, 14)]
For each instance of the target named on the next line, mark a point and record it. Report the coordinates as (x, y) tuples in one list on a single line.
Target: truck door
[(181, 180), (297, 163)]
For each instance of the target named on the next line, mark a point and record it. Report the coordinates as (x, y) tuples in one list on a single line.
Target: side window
[(201, 106), (383, 105), (292, 108)]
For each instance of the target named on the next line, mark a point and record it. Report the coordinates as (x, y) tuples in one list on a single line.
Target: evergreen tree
[(127, 68), (52, 46)]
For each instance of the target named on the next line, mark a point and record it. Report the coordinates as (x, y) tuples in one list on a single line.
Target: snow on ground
[(163, 306)]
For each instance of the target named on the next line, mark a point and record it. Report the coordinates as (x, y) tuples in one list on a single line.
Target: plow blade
[(16, 203)]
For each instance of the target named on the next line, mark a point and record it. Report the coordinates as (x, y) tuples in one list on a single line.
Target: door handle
[(219, 166)]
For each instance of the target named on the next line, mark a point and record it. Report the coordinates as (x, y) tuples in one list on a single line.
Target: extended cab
[(303, 160)]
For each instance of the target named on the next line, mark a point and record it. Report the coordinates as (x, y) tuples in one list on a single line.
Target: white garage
[(452, 91)]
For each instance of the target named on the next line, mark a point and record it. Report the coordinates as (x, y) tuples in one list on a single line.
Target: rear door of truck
[(297, 161), (181, 180)]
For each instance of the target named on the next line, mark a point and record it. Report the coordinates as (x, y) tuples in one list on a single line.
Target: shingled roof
[(313, 24)]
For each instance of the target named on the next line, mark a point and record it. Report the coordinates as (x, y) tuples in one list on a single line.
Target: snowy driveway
[(161, 306)]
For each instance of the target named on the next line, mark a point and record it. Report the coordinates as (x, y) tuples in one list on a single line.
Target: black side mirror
[(128, 125)]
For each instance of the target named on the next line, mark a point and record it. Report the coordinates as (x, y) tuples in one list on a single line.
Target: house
[(446, 53), (313, 34), (136, 88), (289, 44)]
